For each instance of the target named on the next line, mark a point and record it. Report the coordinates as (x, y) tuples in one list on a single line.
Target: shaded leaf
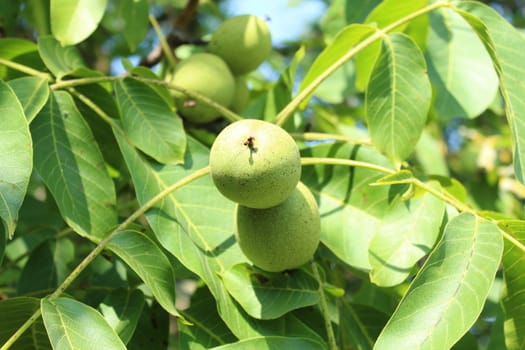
[(153, 329), (206, 329), (122, 309), (457, 61), (129, 17), (398, 97), (503, 43), (71, 165), (60, 60), (71, 324), (47, 267), (448, 294), (135, 15), (360, 325), (149, 262), (32, 92), (272, 342), (16, 163), (149, 122), (347, 38), (407, 233), (16, 311), (270, 295), (514, 272), (350, 209), (72, 21)]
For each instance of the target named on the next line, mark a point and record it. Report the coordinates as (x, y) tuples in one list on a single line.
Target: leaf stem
[(225, 112), (318, 136), (25, 69), (287, 111), (94, 107), (332, 344), (345, 162), (82, 81), (512, 240), (168, 53), (101, 246)]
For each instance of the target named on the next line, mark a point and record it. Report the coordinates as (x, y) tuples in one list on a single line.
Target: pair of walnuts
[(257, 164)]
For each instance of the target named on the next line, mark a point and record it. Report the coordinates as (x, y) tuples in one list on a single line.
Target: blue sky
[(288, 20)]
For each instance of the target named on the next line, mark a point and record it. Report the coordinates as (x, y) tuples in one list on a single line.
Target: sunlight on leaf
[(32, 92), (503, 43), (351, 210), (407, 233), (71, 324), (449, 292), (60, 60), (457, 62), (72, 21), (387, 12), (343, 42), (398, 97)]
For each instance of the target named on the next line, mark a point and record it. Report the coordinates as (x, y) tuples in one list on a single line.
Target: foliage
[(410, 119)]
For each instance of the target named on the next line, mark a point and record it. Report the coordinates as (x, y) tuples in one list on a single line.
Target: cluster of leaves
[(109, 212)]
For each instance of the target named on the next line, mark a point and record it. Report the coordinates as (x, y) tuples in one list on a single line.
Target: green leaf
[(347, 38), (387, 12), (502, 42), (149, 122), (71, 324), (129, 17), (360, 325), (514, 272), (32, 92), (15, 311), (206, 329), (457, 61), (16, 163), (272, 342), (343, 12), (407, 233), (192, 224), (20, 51), (398, 97), (153, 329), (71, 165), (47, 267), (149, 262), (270, 295), (430, 144), (72, 21), (448, 294), (122, 309), (350, 209), (60, 60)]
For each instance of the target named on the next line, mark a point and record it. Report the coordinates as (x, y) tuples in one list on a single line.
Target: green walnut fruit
[(208, 75), (255, 163), (243, 42), (241, 96), (283, 237)]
